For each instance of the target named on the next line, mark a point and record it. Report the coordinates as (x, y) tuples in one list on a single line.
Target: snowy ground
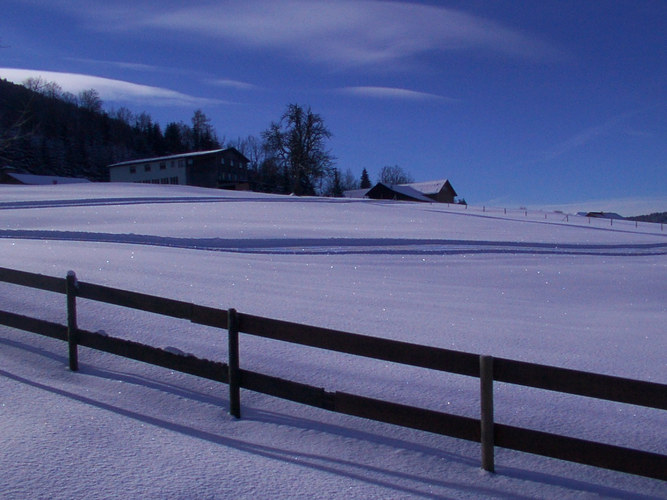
[(543, 287)]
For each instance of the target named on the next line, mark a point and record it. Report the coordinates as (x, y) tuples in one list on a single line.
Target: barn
[(439, 191)]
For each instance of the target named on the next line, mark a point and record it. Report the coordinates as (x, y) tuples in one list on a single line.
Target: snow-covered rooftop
[(40, 180), (172, 157), (428, 187)]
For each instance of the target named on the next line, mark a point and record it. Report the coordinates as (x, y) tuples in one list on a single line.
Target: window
[(173, 180), (163, 166), (133, 170), (181, 163), (164, 180), (147, 167)]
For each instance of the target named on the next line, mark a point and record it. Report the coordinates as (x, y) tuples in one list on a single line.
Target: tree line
[(47, 131)]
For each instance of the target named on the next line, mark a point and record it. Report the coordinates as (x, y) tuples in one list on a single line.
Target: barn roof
[(430, 187), (356, 193), (408, 190)]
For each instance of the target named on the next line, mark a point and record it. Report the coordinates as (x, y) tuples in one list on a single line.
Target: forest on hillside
[(49, 132), (46, 131)]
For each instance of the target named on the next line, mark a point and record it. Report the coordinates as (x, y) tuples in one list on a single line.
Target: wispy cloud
[(394, 93), (108, 89), (119, 64), (340, 32), (345, 31), (233, 84), (586, 136)]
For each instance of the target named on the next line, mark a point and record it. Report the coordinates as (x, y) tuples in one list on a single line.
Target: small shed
[(10, 175)]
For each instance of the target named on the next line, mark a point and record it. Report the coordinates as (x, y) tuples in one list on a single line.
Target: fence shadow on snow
[(488, 369)]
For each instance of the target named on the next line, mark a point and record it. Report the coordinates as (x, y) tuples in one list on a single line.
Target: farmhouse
[(440, 191), (218, 168)]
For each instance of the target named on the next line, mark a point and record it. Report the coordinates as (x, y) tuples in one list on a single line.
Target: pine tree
[(365, 180)]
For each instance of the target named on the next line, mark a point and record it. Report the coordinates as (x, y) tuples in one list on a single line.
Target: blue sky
[(518, 103)]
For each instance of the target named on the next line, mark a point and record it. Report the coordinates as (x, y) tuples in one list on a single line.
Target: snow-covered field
[(533, 286)]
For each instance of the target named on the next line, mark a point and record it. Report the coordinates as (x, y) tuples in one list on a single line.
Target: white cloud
[(342, 32), (119, 64), (234, 84), (108, 89), (394, 93)]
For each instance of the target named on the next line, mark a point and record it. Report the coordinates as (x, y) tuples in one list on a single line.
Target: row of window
[(162, 166), (164, 180), (226, 176)]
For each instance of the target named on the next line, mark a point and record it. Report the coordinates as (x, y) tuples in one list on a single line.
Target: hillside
[(657, 217), (535, 286), (53, 133)]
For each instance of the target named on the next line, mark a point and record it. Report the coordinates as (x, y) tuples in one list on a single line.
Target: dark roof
[(604, 215), (415, 190), (385, 192)]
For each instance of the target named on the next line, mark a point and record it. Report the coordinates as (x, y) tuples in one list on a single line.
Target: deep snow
[(543, 287)]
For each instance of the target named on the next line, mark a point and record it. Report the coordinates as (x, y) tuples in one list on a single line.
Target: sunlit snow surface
[(543, 287)]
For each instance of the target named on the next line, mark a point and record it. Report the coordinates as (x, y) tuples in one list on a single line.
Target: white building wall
[(155, 172)]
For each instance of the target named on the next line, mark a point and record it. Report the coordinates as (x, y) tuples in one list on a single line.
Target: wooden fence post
[(486, 421), (233, 367), (70, 289)]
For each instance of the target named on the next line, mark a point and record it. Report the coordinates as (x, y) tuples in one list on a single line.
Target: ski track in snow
[(166, 435), (96, 202), (344, 246)]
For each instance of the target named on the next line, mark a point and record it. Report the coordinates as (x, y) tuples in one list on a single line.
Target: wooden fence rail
[(488, 369)]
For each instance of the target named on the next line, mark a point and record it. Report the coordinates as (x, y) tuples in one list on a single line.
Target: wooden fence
[(487, 369)]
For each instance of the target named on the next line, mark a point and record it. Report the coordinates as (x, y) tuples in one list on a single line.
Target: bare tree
[(123, 114), (252, 148), (393, 175), (90, 100), (298, 143)]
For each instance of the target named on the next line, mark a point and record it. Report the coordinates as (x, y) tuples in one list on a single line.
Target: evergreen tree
[(202, 131), (365, 180)]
